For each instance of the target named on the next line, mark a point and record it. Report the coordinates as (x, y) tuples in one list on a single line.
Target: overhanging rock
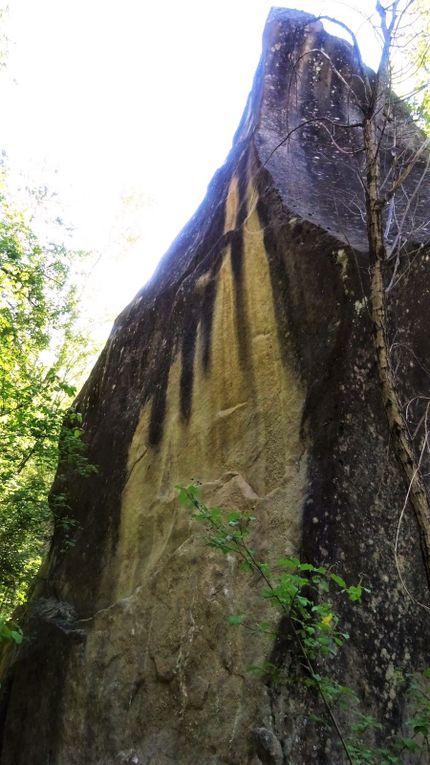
[(246, 363)]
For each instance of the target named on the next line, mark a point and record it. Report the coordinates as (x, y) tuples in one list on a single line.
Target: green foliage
[(291, 587), (414, 49), (39, 346), (10, 633), (303, 595)]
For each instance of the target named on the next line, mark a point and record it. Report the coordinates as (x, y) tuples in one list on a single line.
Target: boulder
[(246, 364)]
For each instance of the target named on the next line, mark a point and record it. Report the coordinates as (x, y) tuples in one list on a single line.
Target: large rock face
[(247, 364)]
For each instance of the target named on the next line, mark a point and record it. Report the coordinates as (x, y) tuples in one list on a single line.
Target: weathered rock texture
[(248, 364)]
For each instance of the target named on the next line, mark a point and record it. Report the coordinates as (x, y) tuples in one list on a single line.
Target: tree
[(379, 197), (390, 157), (41, 352)]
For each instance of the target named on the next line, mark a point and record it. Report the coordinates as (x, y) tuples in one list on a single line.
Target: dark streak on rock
[(278, 275), (199, 305), (208, 305), (158, 403), (187, 362), (237, 255)]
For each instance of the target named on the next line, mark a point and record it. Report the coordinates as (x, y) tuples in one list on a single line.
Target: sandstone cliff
[(247, 363)]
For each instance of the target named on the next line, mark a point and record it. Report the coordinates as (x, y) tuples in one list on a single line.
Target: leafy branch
[(303, 596)]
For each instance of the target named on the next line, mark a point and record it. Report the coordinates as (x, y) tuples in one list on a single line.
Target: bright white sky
[(125, 108)]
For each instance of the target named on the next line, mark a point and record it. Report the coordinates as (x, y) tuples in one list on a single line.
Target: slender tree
[(377, 110), (389, 126)]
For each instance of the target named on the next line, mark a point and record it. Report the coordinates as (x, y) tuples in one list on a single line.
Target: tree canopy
[(40, 350)]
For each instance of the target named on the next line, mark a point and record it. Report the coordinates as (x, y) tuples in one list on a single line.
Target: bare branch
[(363, 72), (335, 70), (313, 120), (406, 172)]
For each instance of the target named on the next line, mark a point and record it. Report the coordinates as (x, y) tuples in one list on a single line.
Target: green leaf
[(306, 567), (256, 669), (338, 580), (182, 495), (233, 519), (69, 389), (354, 592), (265, 628), (288, 563), (235, 618), (16, 636)]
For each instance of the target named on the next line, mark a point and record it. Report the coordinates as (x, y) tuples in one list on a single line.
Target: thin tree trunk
[(397, 424)]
